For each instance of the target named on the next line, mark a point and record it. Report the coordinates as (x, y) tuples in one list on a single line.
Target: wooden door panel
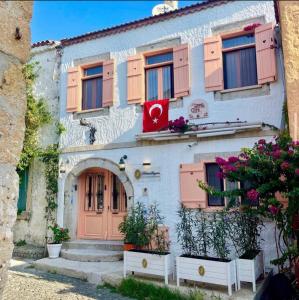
[(94, 226)]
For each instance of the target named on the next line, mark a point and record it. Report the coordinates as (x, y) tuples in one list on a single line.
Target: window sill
[(172, 100), (91, 113), (24, 215), (244, 88)]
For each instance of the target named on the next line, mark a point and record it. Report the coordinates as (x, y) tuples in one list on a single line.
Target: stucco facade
[(31, 224), (289, 14), (119, 126)]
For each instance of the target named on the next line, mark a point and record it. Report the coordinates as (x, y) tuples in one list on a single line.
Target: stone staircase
[(86, 259), (92, 251)]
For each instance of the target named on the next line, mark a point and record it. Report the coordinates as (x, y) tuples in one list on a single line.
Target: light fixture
[(121, 164), (146, 163)]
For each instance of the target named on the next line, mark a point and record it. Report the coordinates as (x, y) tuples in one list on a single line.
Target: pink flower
[(233, 159), (290, 152), (220, 175), (262, 142), (297, 172), (273, 209), (253, 195), (276, 153), (220, 161), (285, 165)]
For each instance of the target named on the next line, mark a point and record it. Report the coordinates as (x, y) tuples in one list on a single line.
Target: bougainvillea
[(267, 174), (179, 125)]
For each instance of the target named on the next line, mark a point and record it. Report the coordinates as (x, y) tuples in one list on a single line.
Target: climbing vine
[(36, 116)]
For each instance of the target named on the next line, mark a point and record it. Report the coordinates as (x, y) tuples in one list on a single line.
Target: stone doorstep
[(89, 271), (91, 255), (94, 244)]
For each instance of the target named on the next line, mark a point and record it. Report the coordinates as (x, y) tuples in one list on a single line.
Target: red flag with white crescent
[(155, 115)]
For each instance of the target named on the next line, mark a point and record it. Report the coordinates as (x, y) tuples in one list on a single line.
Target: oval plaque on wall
[(198, 109)]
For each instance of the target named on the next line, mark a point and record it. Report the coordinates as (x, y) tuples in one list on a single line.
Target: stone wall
[(289, 20), (14, 51)]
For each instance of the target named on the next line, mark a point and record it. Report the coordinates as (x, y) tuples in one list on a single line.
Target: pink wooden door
[(99, 214)]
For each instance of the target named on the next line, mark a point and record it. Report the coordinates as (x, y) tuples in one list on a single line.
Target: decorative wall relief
[(198, 109)]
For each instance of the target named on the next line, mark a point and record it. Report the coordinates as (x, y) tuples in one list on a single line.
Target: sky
[(54, 20)]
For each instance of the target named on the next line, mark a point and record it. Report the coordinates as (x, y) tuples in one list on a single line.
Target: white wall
[(123, 122)]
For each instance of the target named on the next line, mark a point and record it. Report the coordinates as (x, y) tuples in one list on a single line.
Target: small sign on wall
[(198, 109)]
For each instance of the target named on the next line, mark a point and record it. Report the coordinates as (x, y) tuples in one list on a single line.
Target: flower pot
[(54, 250), (148, 262), (250, 267), (128, 246), (208, 270)]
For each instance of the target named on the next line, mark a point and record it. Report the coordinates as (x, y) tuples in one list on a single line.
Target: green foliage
[(37, 115), (59, 234), (21, 243), (272, 170), (50, 157), (141, 228), (140, 290), (60, 129)]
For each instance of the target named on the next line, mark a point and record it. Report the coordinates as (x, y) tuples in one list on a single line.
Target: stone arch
[(70, 188)]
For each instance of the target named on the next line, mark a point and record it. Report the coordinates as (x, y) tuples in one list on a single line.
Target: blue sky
[(55, 20)]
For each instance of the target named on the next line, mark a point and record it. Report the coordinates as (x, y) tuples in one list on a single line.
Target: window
[(159, 76), (94, 192), (239, 61), (92, 87), (23, 187), (119, 197), (211, 173)]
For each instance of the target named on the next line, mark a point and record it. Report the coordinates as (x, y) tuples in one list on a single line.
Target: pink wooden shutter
[(265, 53), (73, 89), (192, 196), (135, 77), (213, 64), (181, 70), (108, 76)]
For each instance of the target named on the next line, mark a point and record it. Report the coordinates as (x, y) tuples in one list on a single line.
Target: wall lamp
[(146, 163), (121, 164)]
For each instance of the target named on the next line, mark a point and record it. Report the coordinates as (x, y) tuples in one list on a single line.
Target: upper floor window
[(92, 87), (159, 76), (239, 61)]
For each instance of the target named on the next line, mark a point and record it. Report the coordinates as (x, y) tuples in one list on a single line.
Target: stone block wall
[(289, 20), (14, 51)]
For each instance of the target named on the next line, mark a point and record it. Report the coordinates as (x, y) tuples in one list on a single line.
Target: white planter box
[(208, 271), (249, 270), (54, 250), (148, 263)]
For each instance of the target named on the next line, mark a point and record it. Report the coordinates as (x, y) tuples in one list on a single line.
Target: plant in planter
[(204, 232), (150, 255), (60, 235), (179, 125)]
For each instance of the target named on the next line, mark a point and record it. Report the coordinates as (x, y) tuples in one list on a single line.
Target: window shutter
[(265, 53), (135, 78), (108, 76), (192, 196), (213, 64), (73, 89), (181, 70)]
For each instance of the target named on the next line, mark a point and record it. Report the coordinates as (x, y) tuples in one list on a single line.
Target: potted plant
[(60, 235), (245, 230), (151, 253), (202, 237)]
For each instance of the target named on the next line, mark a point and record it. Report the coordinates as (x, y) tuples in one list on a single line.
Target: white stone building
[(106, 76)]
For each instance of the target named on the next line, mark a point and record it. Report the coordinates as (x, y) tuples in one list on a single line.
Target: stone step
[(89, 271), (94, 244), (91, 255)]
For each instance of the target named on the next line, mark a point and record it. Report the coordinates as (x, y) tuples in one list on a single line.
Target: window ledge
[(244, 88), (90, 110), (171, 100), (91, 113), (24, 215), (204, 133)]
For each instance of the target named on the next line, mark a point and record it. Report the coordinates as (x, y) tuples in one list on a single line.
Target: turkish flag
[(155, 115)]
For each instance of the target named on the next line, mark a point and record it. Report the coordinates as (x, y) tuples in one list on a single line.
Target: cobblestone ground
[(26, 283)]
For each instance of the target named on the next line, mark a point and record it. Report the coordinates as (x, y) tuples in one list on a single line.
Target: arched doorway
[(102, 205), (69, 195)]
